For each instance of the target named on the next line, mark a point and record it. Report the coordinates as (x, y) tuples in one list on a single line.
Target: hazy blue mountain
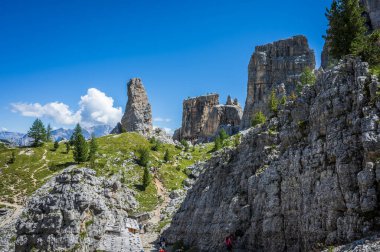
[(21, 139)]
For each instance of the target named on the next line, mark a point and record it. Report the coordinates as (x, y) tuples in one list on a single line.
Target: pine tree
[(346, 25), (13, 158), (146, 178), (273, 101), (93, 148), (37, 132), (258, 118), (143, 159), (167, 156), (77, 131), (80, 152), (67, 147), (307, 77), (48, 133), (223, 135), (218, 143), (56, 145)]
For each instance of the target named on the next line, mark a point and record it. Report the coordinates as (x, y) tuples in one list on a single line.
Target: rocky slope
[(138, 112), (275, 66), (78, 211), (306, 179)]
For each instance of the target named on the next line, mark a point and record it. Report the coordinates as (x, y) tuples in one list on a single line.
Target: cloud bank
[(94, 108)]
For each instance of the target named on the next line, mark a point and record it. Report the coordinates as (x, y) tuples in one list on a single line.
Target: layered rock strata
[(275, 66), (305, 179), (203, 117)]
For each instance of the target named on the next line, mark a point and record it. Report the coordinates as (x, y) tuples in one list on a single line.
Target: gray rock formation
[(80, 212), (138, 112), (203, 116), (273, 65), (372, 8), (305, 179)]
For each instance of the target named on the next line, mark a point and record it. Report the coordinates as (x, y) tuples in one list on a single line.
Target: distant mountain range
[(21, 139)]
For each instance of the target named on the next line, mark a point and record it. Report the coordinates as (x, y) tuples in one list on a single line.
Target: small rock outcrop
[(138, 112), (275, 66), (78, 211), (203, 116), (304, 180)]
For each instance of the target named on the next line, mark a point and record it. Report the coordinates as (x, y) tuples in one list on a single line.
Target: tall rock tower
[(138, 112), (275, 66)]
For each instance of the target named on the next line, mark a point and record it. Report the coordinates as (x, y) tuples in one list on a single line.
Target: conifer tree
[(93, 148), (273, 101), (56, 145), (37, 132), (167, 156), (346, 25), (146, 178), (80, 152), (48, 133), (67, 147)]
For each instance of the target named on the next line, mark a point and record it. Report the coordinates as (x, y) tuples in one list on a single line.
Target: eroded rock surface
[(372, 9), (275, 66), (304, 180), (138, 112), (203, 117), (78, 211)]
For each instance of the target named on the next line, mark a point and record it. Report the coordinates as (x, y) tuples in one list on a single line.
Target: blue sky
[(55, 52)]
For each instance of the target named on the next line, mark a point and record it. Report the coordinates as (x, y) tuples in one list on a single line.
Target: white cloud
[(94, 108), (160, 119), (3, 129), (57, 111), (97, 108)]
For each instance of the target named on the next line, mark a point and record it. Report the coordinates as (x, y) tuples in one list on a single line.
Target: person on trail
[(228, 242), (162, 242)]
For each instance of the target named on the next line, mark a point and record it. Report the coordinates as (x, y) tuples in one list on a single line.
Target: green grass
[(116, 155)]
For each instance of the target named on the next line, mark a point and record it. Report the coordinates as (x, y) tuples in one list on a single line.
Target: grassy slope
[(116, 154)]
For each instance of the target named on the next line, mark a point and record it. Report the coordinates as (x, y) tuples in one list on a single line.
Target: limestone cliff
[(276, 66), (304, 180), (203, 116), (138, 112), (372, 11)]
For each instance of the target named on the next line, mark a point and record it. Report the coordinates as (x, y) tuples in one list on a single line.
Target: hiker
[(161, 250), (228, 242), (162, 242)]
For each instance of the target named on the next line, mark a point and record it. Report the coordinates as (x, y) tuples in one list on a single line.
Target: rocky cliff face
[(306, 179), (372, 8), (138, 112), (275, 66), (203, 116), (80, 212)]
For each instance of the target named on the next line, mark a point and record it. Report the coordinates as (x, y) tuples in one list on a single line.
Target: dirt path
[(15, 214), (34, 180), (149, 238)]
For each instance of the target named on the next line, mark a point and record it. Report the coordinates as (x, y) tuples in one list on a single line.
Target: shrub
[(258, 118), (185, 144), (283, 100), (223, 135), (155, 144)]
